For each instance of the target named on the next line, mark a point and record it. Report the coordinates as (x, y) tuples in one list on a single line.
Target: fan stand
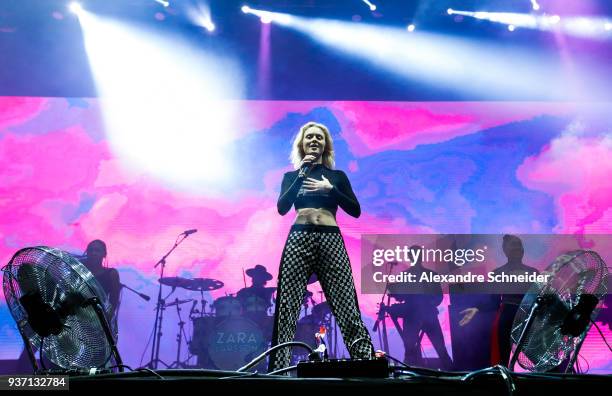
[(519, 345), (570, 365), (31, 354), (95, 304)]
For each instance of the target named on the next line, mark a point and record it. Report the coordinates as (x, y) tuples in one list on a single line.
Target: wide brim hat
[(259, 272)]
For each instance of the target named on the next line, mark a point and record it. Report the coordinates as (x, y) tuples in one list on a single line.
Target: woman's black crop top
[(341, 194)]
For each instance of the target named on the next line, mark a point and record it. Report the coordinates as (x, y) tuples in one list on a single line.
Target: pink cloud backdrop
[(62, 185)]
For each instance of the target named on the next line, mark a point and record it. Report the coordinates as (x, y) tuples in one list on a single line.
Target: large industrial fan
[(554, 317), (61, 310)]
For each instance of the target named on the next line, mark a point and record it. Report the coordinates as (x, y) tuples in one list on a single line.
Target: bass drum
[(227, 343), (234, 342)]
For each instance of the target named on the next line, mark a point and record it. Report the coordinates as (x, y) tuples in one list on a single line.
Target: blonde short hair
[(297, 151)]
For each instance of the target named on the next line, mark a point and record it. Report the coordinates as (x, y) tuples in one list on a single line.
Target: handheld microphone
[(304, 170), (307, 166), (189, 232)]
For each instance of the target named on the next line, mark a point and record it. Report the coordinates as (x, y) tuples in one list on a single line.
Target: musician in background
[(94, 259), (505, 305), (418, 307), (257, 298)]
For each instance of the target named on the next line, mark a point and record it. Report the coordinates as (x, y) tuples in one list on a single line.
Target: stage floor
[(202, 380)]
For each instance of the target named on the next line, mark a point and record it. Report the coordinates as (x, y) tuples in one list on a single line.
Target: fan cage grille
[(573, 274), (57, 275)]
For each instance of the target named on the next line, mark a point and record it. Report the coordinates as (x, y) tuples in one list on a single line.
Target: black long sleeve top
[(292, 193), (493, 301)]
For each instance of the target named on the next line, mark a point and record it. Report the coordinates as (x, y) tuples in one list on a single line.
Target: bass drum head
[(234, 342)]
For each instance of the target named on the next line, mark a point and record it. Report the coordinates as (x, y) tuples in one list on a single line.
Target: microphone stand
[(141, 295), (159, 309), (382, 315)]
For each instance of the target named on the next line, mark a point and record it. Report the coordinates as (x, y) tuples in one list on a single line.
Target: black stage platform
[(205, 380)]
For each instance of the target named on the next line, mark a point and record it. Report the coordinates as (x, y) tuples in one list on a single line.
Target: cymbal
[(179, 302), (174, 281), (197, 284), (204, 284)]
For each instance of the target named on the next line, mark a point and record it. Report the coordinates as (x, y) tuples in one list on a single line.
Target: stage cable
[(270, 350)]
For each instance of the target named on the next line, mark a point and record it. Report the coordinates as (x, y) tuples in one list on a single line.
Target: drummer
[(257, 297)]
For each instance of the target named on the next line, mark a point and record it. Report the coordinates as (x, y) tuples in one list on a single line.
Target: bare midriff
[(318, 216)]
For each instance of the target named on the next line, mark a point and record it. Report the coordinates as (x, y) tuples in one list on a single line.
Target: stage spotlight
[(450, 11), (163, 3), (369, 4), (75, 8), (579, 26), (583, 27), (267, 16), (608, 26), (511, 28), (534, 5), (451, 62), (411, 28), (199, 15), (168, 98)]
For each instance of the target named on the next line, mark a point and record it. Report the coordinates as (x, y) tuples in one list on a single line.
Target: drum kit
[(235, 328)]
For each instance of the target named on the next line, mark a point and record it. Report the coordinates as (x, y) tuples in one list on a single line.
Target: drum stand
[(157, 335), (179, 339), (203, 304)]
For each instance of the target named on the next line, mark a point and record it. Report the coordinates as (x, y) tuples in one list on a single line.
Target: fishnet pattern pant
[(317, 249)]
